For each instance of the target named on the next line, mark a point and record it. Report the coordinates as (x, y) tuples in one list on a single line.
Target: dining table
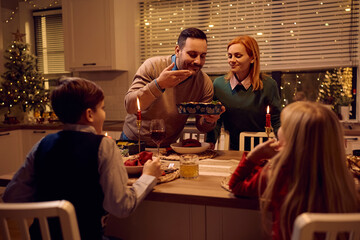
[(201, 208)]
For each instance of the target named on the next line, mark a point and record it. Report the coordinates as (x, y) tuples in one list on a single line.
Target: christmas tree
[(22, 83), (336, 87)]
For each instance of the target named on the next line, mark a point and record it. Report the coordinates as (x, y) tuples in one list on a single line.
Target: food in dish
[(191, 143), (140, 159), (135, 165)]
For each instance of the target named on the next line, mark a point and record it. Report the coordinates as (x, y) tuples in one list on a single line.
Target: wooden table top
[(205, 190)]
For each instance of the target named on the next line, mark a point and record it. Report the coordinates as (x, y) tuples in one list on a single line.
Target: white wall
[(115, 84)]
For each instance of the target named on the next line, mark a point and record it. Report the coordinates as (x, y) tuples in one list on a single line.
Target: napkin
[(140, 160)]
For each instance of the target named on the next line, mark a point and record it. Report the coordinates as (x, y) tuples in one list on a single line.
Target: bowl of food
[(189, 146), (202, 108), (135, 164)]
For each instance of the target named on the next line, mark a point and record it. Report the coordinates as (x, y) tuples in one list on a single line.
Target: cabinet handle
[(89, 64), (4, 134), (39, 131)]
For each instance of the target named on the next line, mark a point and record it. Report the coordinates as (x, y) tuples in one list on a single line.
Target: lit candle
[(138, 111), (268, 117), (106, 135)]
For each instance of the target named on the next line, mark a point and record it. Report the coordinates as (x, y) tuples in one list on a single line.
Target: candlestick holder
[(138, 124), (268, 130)]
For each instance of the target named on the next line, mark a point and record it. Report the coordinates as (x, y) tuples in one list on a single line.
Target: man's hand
[(169, 79), (210, 119)]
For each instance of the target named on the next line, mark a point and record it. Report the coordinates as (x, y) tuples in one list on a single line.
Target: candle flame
[(268, 109), (138, 103), (106, 134)]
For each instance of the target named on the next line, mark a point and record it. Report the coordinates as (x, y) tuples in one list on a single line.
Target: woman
[(306, 172), (245, 93)]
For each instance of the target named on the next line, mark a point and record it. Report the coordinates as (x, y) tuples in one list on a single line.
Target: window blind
[(292, 34), (49, 40)]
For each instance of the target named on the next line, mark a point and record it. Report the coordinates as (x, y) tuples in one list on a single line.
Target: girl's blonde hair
[(312, 165), (252, 49)]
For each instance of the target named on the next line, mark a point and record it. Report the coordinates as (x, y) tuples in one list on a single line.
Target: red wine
[(157, 136)]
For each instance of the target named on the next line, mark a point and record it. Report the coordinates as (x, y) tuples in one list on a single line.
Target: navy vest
[(66, 167)]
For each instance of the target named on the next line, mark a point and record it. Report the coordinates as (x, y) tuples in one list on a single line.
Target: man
[(164, 81)]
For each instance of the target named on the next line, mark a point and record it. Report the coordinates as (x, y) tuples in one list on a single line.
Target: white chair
[(21, 212), (306, 224), (252, 136), (193, 133), (223, 141)]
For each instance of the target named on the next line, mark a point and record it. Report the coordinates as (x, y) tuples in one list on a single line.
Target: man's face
[(192, 55)]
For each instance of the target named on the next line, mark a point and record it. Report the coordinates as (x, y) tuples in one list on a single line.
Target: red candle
[(268, 117), (138, 111)]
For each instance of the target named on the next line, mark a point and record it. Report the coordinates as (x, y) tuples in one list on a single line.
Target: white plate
[(179, 149), (134, 169)]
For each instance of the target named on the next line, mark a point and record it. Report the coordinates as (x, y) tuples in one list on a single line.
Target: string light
[(36, 4)]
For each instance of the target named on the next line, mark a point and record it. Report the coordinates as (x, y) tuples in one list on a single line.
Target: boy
[(79, 164)]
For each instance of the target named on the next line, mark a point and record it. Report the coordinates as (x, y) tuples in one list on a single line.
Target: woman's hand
[(264, 151)]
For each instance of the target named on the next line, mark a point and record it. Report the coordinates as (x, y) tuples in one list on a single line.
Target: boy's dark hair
[(73, 96), (190, 33)]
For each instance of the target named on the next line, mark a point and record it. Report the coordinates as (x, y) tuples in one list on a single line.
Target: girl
[(306, 172)]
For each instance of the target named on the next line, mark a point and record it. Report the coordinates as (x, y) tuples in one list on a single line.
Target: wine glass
[(157, 131)]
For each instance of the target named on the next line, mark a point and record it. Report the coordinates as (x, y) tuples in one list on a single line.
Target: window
[(295, 37), (49, 40), (335, 86)]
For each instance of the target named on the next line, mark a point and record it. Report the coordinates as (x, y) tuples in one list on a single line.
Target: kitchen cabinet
[(352, 143), (95, 34), (177, 221), (10, 157), (15, 145)]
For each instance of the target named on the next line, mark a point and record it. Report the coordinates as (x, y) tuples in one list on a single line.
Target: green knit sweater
[(245, 109)]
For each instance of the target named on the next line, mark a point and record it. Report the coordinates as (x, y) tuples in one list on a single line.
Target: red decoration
[(268, 117), (138, 111)]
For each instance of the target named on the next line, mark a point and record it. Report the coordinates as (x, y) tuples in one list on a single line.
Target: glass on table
[(157, 132), (189, 166)]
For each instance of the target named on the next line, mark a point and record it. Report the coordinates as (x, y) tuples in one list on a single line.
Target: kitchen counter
[(192, 209)]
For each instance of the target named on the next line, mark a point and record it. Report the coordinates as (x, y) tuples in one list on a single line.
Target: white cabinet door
[(160, 221), (94, 35), (10, 151), (234, 223), (352, 143), (30, 137)]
